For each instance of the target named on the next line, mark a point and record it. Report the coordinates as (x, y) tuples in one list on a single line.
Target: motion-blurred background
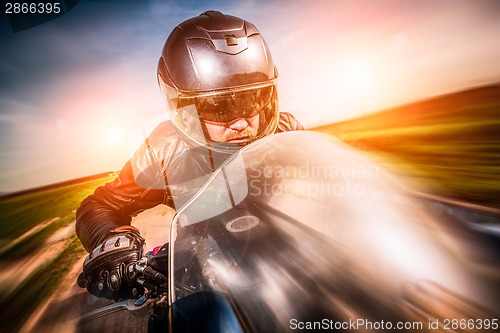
[(416, 84)]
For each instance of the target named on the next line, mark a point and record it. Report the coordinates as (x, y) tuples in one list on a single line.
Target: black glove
[(109, 270)]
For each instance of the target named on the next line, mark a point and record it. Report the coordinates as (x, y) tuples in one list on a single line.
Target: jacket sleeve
[(113, 205), (287, 122)]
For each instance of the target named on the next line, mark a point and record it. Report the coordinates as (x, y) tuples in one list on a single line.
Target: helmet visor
[(191, 112), (227, 107)]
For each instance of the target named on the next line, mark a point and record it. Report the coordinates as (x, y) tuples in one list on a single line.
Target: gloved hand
[(109, 270)]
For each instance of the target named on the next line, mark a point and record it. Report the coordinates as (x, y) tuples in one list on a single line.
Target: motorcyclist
[(219, 83)]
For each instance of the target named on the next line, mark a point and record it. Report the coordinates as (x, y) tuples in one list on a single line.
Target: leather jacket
[(164, 170)]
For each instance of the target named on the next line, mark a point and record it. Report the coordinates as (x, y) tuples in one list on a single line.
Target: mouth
[(240, 139)]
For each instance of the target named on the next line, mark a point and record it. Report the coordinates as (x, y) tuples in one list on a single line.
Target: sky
[(78, 94)]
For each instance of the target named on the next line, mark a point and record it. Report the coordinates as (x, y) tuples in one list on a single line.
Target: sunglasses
[(226, 107)]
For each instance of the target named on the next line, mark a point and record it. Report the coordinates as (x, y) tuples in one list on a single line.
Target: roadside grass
[(40, 285), (23, 212)]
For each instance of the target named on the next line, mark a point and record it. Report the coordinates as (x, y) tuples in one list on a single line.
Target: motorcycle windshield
[(300, 228)]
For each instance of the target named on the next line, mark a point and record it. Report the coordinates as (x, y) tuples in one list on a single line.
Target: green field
[(22, 212), (448, 145)]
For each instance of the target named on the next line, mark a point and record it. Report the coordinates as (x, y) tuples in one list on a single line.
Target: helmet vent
[(231, 40), (229, 44)]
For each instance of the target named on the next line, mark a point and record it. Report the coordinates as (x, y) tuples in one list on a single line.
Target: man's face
[(236, 131)]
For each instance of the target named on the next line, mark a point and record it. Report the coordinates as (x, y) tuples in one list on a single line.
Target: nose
[(239, 125)]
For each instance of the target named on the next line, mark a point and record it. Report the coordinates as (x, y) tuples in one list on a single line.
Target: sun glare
[(358, 78), (114, 136)]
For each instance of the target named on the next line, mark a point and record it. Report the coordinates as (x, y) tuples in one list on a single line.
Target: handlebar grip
[(154, 275)]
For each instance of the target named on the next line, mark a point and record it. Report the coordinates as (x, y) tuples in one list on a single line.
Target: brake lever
[(139, 307)]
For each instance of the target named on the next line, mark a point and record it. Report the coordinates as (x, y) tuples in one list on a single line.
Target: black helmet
[(218, 68)]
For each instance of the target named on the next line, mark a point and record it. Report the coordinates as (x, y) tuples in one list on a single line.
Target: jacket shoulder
[(160, 149), (287, 122), (163, 134)]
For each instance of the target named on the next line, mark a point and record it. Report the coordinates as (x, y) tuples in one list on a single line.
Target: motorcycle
[(300, 231)]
